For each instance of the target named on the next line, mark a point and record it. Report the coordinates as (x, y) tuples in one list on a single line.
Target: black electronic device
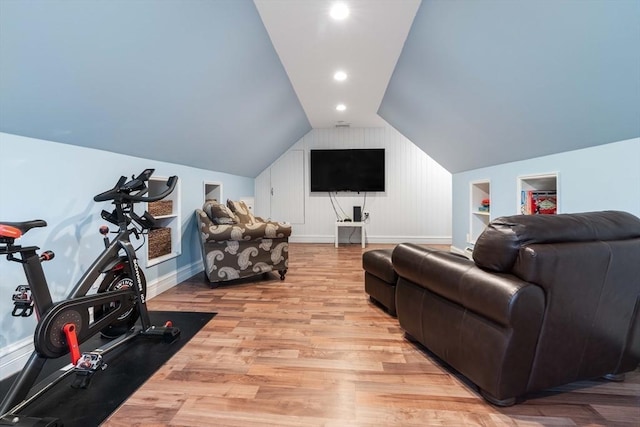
[(348, 170), (357, 213)]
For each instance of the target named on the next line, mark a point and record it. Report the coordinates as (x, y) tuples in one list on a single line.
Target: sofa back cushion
[(219, 213), (498, 246), (242, 211)]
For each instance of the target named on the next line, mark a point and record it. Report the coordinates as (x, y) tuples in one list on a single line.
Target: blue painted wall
[(597, 178), (56, 182)]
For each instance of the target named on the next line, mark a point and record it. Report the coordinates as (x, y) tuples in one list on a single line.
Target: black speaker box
[(357, 213)]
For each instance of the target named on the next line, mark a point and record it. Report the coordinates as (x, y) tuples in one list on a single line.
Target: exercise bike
[(112, 310)]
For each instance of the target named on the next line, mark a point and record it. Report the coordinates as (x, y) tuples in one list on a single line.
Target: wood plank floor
[(313, 351)]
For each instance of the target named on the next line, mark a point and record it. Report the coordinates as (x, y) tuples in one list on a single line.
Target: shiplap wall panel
[(416, 205), (287, 188), (262, 194)]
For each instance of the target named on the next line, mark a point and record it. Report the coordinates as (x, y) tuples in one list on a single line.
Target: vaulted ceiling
[(229, 85), (481, 83)]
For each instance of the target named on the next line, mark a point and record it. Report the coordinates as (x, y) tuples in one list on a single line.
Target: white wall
[(56, 182), (416, 206), (605, 177)]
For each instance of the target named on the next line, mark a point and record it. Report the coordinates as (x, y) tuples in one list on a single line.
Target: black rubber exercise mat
[(128, 368)]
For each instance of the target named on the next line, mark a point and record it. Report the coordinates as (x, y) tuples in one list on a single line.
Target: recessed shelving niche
[(480, 205), (212, 190), (538, 194), (168, 236)]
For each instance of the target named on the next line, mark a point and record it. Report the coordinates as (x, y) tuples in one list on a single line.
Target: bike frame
[(105, 262), (108, 260)]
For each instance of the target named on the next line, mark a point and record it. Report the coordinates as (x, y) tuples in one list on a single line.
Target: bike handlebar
[(123, 189), (171, 185)]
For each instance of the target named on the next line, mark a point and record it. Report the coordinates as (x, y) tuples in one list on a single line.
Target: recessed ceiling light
[(341, 107), (339, 11), (340, 76)]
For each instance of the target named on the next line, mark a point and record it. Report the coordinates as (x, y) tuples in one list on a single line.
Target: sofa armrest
[(455, 278), (270, 229), (211, 232), (203, 223)]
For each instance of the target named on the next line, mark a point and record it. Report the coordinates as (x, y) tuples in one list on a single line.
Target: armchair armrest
[(498, 297), (210, 232), (272, 229)]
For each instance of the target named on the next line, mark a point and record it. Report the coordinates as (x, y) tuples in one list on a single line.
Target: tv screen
[(347, 170)]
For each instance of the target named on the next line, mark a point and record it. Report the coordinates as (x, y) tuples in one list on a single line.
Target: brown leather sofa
[(547, 300)]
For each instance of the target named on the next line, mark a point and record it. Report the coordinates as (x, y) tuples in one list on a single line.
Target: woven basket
[(161, 207), (159, 242)]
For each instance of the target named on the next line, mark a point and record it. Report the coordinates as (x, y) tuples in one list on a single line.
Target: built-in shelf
[(538, 194), (480, 193), (212, 190), (169, 221)]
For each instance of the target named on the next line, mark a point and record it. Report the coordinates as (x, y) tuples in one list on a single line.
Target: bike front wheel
[(112, 281)]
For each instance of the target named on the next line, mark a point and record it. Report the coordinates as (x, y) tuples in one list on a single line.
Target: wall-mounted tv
[(347, 170)]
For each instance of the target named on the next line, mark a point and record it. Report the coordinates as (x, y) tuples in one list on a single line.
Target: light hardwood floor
[(313, 351)]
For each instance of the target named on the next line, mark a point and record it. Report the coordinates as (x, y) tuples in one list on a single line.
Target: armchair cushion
[(219, 213), (240, 209)]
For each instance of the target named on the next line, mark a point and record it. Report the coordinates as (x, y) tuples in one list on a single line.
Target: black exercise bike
[(113, 310)]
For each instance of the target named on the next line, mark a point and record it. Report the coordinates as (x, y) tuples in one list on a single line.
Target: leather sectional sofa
[(546, 301)]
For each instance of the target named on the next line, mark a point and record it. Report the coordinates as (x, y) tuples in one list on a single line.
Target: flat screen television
[(347, 170)]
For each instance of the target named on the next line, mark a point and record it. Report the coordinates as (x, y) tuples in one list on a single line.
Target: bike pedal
[(90, 362), (86, 366), (22, 302)]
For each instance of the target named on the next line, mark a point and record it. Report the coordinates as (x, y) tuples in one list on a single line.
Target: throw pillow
[(240, 209), (219, 213)]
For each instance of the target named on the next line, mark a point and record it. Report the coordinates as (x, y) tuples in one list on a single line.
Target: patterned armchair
[(235, 244)]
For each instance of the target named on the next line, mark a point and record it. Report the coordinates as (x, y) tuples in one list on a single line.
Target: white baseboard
[(421, 240), (170, 280), (311, 239), (14, 356)]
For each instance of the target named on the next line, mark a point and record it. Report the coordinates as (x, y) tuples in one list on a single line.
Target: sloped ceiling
[(199, 82), (481, 83), (188, 82)]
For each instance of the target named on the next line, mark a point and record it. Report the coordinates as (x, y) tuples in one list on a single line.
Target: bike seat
[(17, 229)]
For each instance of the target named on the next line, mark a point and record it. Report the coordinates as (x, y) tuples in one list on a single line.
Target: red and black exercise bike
[(113, 310)]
